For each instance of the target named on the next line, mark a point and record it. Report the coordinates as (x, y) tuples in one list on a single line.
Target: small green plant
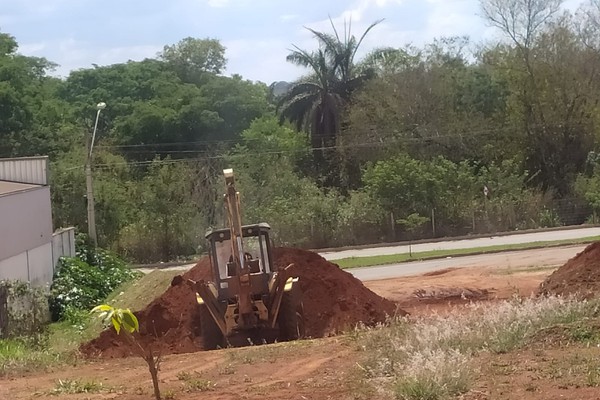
[(169, 395), (198, 385), (123, 320), (194, 382), (418, 389), (74, 386)]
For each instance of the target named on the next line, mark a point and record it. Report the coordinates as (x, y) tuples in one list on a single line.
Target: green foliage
[(404, 186), (168, 224), (192, 58), (403, 131), (126, 321), (84, 281), (118, 317), (315, 102)]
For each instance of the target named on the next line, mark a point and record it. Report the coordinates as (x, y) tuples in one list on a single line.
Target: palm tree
[(315, 103)]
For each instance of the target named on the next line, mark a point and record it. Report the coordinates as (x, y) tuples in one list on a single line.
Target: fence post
[(393, 225), (433, 221)]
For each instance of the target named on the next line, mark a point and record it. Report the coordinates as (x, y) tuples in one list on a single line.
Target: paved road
[(467, 243), (534, 257), (555, 256)]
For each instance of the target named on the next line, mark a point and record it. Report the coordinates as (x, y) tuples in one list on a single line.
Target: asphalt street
[(467, 243)]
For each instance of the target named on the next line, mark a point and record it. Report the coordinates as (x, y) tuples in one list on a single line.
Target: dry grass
[(430, 358)]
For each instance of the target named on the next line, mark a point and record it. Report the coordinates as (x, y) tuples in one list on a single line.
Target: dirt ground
[(328, 368)]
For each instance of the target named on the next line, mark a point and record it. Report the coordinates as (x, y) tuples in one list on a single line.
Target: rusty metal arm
[(212, 304), (276, 291)]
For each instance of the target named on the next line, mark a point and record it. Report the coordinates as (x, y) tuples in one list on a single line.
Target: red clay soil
[(580, 276), (333, 299)]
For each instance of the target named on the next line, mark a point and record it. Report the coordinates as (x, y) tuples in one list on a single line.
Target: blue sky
[(257, 33)]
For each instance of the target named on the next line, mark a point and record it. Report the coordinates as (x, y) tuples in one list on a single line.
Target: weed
[(584, 333), (73, 386), (198, 385), (26, 354), (434, 375), (194, 382), (430, 358), (228, 369), (169, 395), (592, 373), (184, 376)]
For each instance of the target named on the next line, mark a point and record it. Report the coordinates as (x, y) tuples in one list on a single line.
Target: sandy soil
[(327, 368)]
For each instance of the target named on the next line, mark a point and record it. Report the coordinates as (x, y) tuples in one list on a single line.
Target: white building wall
[(25, 221), (40, 266), (14, 268), (33, 265)]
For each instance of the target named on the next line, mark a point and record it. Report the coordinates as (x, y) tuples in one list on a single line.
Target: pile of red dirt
[(333, 299), (580, 276)]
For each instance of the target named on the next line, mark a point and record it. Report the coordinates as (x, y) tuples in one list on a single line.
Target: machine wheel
[(212, 338), (291, 316)]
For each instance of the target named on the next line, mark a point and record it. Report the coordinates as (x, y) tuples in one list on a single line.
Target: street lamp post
[(91, 214)]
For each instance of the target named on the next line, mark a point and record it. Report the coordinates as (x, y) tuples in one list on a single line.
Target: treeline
[(452, 138)]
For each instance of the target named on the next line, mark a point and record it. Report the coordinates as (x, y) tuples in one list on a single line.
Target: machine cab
[(257, 256)]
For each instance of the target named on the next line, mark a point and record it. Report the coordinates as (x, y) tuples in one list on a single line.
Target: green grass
[(369, 261), (22, 355), (59, 343), (135, 295)]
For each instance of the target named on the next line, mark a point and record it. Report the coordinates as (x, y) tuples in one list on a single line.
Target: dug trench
[(334, 302)]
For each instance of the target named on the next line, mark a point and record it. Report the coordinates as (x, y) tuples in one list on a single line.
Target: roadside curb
[(450, 238), (476, 253)]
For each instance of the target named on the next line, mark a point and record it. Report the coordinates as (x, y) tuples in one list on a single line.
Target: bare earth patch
[(328, 368)]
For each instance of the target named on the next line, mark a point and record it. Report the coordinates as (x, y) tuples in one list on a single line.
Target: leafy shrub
[(84, 281)]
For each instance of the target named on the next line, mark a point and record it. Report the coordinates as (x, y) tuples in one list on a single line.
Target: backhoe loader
[(248, 301)]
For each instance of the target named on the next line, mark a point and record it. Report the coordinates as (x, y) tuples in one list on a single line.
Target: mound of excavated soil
[(333, 301), (579, 276)]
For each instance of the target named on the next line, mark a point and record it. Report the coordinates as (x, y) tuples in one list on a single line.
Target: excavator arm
[(234, 218)]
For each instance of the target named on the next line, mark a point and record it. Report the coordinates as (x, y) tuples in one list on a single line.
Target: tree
[(549, 72), (315, 103), (123, 320), (192, 58), (22, 94), (521, 20), (411, 223)]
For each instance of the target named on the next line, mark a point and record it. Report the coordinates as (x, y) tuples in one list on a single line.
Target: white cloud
[(79, 54), (288, 17), (262, 60), (32, 49)]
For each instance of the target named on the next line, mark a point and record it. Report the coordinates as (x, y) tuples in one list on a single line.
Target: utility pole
[(91, 213)]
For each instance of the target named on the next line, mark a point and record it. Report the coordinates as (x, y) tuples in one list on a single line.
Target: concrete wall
[(63, 244), (25, 221), (33, 265)]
